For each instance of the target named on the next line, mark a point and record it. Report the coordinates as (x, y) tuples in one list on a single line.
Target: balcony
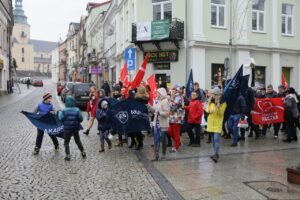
[(42, 60), (92, 58), (161, 31)]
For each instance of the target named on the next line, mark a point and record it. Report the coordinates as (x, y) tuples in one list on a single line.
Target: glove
[(88, 116)]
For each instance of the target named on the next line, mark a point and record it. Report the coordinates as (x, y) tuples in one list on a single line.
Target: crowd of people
[(172, 114)]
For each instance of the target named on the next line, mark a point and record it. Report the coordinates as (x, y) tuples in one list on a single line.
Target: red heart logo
[(264, 106)]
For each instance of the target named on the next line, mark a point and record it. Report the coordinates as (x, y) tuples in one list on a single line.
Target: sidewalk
[(6, 100)]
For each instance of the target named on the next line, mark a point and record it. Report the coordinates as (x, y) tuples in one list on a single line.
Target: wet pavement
[(255, 170)]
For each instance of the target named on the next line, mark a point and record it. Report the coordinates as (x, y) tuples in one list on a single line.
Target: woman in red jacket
[(195, 112), (92, 108)]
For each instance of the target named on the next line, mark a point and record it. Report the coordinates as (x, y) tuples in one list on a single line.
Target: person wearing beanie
[(291, 114), (71, 117), (103, 124), (215, 110), (44, 108)]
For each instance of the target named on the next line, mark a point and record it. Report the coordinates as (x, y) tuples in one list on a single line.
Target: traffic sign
[(130, 58)]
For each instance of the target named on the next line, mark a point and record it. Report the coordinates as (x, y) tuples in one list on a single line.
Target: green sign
[(160, 29)]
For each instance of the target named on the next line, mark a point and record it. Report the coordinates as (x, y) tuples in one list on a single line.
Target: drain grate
[(274, 189)]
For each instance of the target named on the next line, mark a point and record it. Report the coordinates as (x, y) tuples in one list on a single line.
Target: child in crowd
[(44, 108), (103, 124), (71, 117), (195, 112)]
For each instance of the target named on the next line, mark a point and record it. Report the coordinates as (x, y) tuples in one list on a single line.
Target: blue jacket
[(44, 108), (71, 116), (240, 106), (103, 120)]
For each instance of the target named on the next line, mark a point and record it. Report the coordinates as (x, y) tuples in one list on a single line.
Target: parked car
[(81, 92), (38, 83)]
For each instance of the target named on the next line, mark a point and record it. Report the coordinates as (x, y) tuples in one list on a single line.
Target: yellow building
[(32, 56)]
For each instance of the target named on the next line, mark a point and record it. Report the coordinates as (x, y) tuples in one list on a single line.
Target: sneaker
[(214, 158), (36, 151), (275, 136), (233, 145), (56, 149), (68, 157), (83, 154), (86, 132), (173, 150)]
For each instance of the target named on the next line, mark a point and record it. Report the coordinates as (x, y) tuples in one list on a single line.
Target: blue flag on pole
[(47, 123), (129, 116), (190, 85), (237, 85)]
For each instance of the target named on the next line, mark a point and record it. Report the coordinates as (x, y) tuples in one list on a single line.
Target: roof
[(92, 5), (76, 26), (43, 46)]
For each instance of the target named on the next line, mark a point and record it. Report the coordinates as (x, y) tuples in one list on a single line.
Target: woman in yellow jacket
[(215, 110)]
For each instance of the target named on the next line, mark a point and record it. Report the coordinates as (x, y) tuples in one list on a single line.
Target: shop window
[(258, 15), (287, 74), (260, 76), (23, 59), (217, 75), (287, 19), (162, 9), (218, 13), (23, 50)]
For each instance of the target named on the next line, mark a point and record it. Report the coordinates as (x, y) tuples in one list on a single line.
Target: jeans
[(158, 136), (104, 136), (194, 138), (232, 124), (216, 143), (39, 139), (67, 137)]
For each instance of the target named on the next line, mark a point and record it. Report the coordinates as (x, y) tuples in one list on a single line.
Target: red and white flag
[(140, 74), (123, 76), (152, 84), (283, 81)]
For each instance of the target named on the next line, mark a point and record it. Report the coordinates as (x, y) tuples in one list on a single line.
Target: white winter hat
[(216, 91)]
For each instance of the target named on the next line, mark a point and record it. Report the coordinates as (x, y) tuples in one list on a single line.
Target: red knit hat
[(46, 96)]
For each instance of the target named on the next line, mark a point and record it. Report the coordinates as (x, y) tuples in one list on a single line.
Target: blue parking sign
[(130, 58)]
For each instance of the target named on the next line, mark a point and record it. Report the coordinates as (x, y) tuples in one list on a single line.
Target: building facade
[(267, 31), (54, 67), (6, 26), (62, 61), (72, 49)]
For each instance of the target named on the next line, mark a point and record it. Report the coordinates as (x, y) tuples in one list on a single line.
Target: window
[(42, 56), (23, 50), (287, 19), (258, 15), (218, 13), (162, 9), (260, 76), (217, 74), (126, 26), (23, 59)]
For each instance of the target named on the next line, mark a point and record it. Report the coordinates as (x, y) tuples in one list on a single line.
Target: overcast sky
[(49, 19)]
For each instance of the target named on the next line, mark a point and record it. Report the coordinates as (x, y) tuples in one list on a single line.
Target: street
[(253, 170)]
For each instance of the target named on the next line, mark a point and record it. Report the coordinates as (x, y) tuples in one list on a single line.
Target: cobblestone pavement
[(116, 174)]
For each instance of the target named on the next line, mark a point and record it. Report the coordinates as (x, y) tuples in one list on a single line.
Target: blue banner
[(129, 116), (47, 123), (237, 85), (190, 85)]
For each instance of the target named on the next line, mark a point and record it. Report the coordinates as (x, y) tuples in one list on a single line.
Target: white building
[(55, 65)]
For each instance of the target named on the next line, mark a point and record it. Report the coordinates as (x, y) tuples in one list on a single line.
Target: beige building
[(33, 57)]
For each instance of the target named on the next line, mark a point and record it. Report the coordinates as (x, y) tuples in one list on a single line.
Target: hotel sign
[(162, 56)]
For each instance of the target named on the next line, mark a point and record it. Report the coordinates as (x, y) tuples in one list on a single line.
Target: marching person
[(92, 108), (161, 123), (71, 117), (176, 118), (238, 112), (215, 110), (195, 112), (103, 124), (44, 108), (291, 114)]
